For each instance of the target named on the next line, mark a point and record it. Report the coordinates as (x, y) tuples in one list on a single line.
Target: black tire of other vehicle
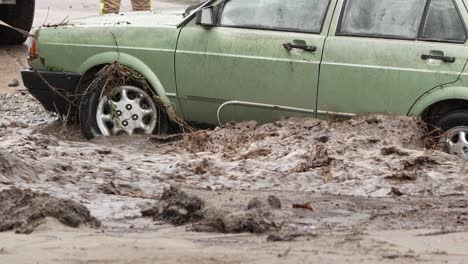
[(88, 109), (20, 15), (453, 119)]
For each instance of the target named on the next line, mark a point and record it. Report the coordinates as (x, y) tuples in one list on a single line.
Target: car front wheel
[(455, 127), (125, 110)]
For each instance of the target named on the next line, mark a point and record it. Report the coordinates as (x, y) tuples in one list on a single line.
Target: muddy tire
[(455, 128), (20, 15), (89, 107), (453, 119)]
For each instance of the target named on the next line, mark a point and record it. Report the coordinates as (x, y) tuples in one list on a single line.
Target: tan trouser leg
[(141, 5), (110, 6)]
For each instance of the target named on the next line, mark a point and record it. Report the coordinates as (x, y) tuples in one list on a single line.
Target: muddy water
[(369, 156)]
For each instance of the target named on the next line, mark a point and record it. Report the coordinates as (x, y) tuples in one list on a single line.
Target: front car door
[(382, 55), (262, 57)]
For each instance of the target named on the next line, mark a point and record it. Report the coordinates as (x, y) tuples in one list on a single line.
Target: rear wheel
[(19, 15), (126, 110), (455, 138)]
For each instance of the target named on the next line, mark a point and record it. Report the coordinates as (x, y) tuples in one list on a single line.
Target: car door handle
[(447, 59), (289, 46)]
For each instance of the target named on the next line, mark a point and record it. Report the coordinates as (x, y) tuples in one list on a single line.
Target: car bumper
[(65, 83)]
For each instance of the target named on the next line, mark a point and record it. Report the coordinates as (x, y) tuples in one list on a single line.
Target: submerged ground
[(359, 191), (366, 191)]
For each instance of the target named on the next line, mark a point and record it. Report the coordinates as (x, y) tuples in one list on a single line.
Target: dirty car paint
[(199, 68)]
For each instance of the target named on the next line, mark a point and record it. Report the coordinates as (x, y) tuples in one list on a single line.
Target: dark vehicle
[(18, 14)]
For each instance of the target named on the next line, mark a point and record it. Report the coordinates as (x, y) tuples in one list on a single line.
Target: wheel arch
[(439, 101), (93, 64)]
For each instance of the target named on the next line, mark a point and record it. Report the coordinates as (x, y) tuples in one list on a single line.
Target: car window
[(443, 22), (391, 18), (297, 15)]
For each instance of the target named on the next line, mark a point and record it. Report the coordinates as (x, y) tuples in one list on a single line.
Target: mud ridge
[(176, 207), (24, 210), (179, 208)]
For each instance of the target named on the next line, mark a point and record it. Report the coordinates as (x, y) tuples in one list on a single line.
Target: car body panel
[(198, 69), (457, 90), (364, 75), (139, 19), (144, 42), (224, 64), (220, 64)]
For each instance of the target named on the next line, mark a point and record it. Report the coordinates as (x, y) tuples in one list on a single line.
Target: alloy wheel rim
[(455, 141), (129, 110)]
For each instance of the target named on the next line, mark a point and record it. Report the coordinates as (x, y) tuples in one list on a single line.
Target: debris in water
[(418, 163), (257, 153), (396, 191), (176, 207), (122, 190), (307, 206), (166, 138), (179, 208), (289, 236), (315, 159), (403, 176), (197, 142), (390, 150), (258, 218), (252, 221), (272, 201)]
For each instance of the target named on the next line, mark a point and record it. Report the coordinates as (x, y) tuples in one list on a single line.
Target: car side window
[(387, 18), (443, 23), (402, 19), (297, 15)]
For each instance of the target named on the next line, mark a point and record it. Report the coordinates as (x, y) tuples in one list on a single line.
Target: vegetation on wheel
[(121, 101)]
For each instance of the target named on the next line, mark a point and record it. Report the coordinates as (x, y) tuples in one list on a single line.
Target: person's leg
[(141, 5), (110, 6)]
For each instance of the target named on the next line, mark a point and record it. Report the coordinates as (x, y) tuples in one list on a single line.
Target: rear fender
[(439, 94), (131, 62)]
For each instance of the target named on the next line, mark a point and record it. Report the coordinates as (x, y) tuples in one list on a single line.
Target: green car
[(235, 60)]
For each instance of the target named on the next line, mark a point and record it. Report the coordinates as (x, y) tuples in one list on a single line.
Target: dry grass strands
[(317, 158), (433, 135)]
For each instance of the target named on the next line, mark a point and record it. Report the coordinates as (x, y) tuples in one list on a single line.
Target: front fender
[(131, 62), (437, 95)]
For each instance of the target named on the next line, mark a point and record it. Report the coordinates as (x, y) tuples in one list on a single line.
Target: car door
[(261, 60), (383, 55)]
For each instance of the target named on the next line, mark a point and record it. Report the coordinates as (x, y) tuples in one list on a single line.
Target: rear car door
[(262, 57), (383, 55)]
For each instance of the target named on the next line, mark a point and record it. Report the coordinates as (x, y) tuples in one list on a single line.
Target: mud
[(24, 210), (252, 221), (259, 216), (371, 156), (177, 207), (293, 180)]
